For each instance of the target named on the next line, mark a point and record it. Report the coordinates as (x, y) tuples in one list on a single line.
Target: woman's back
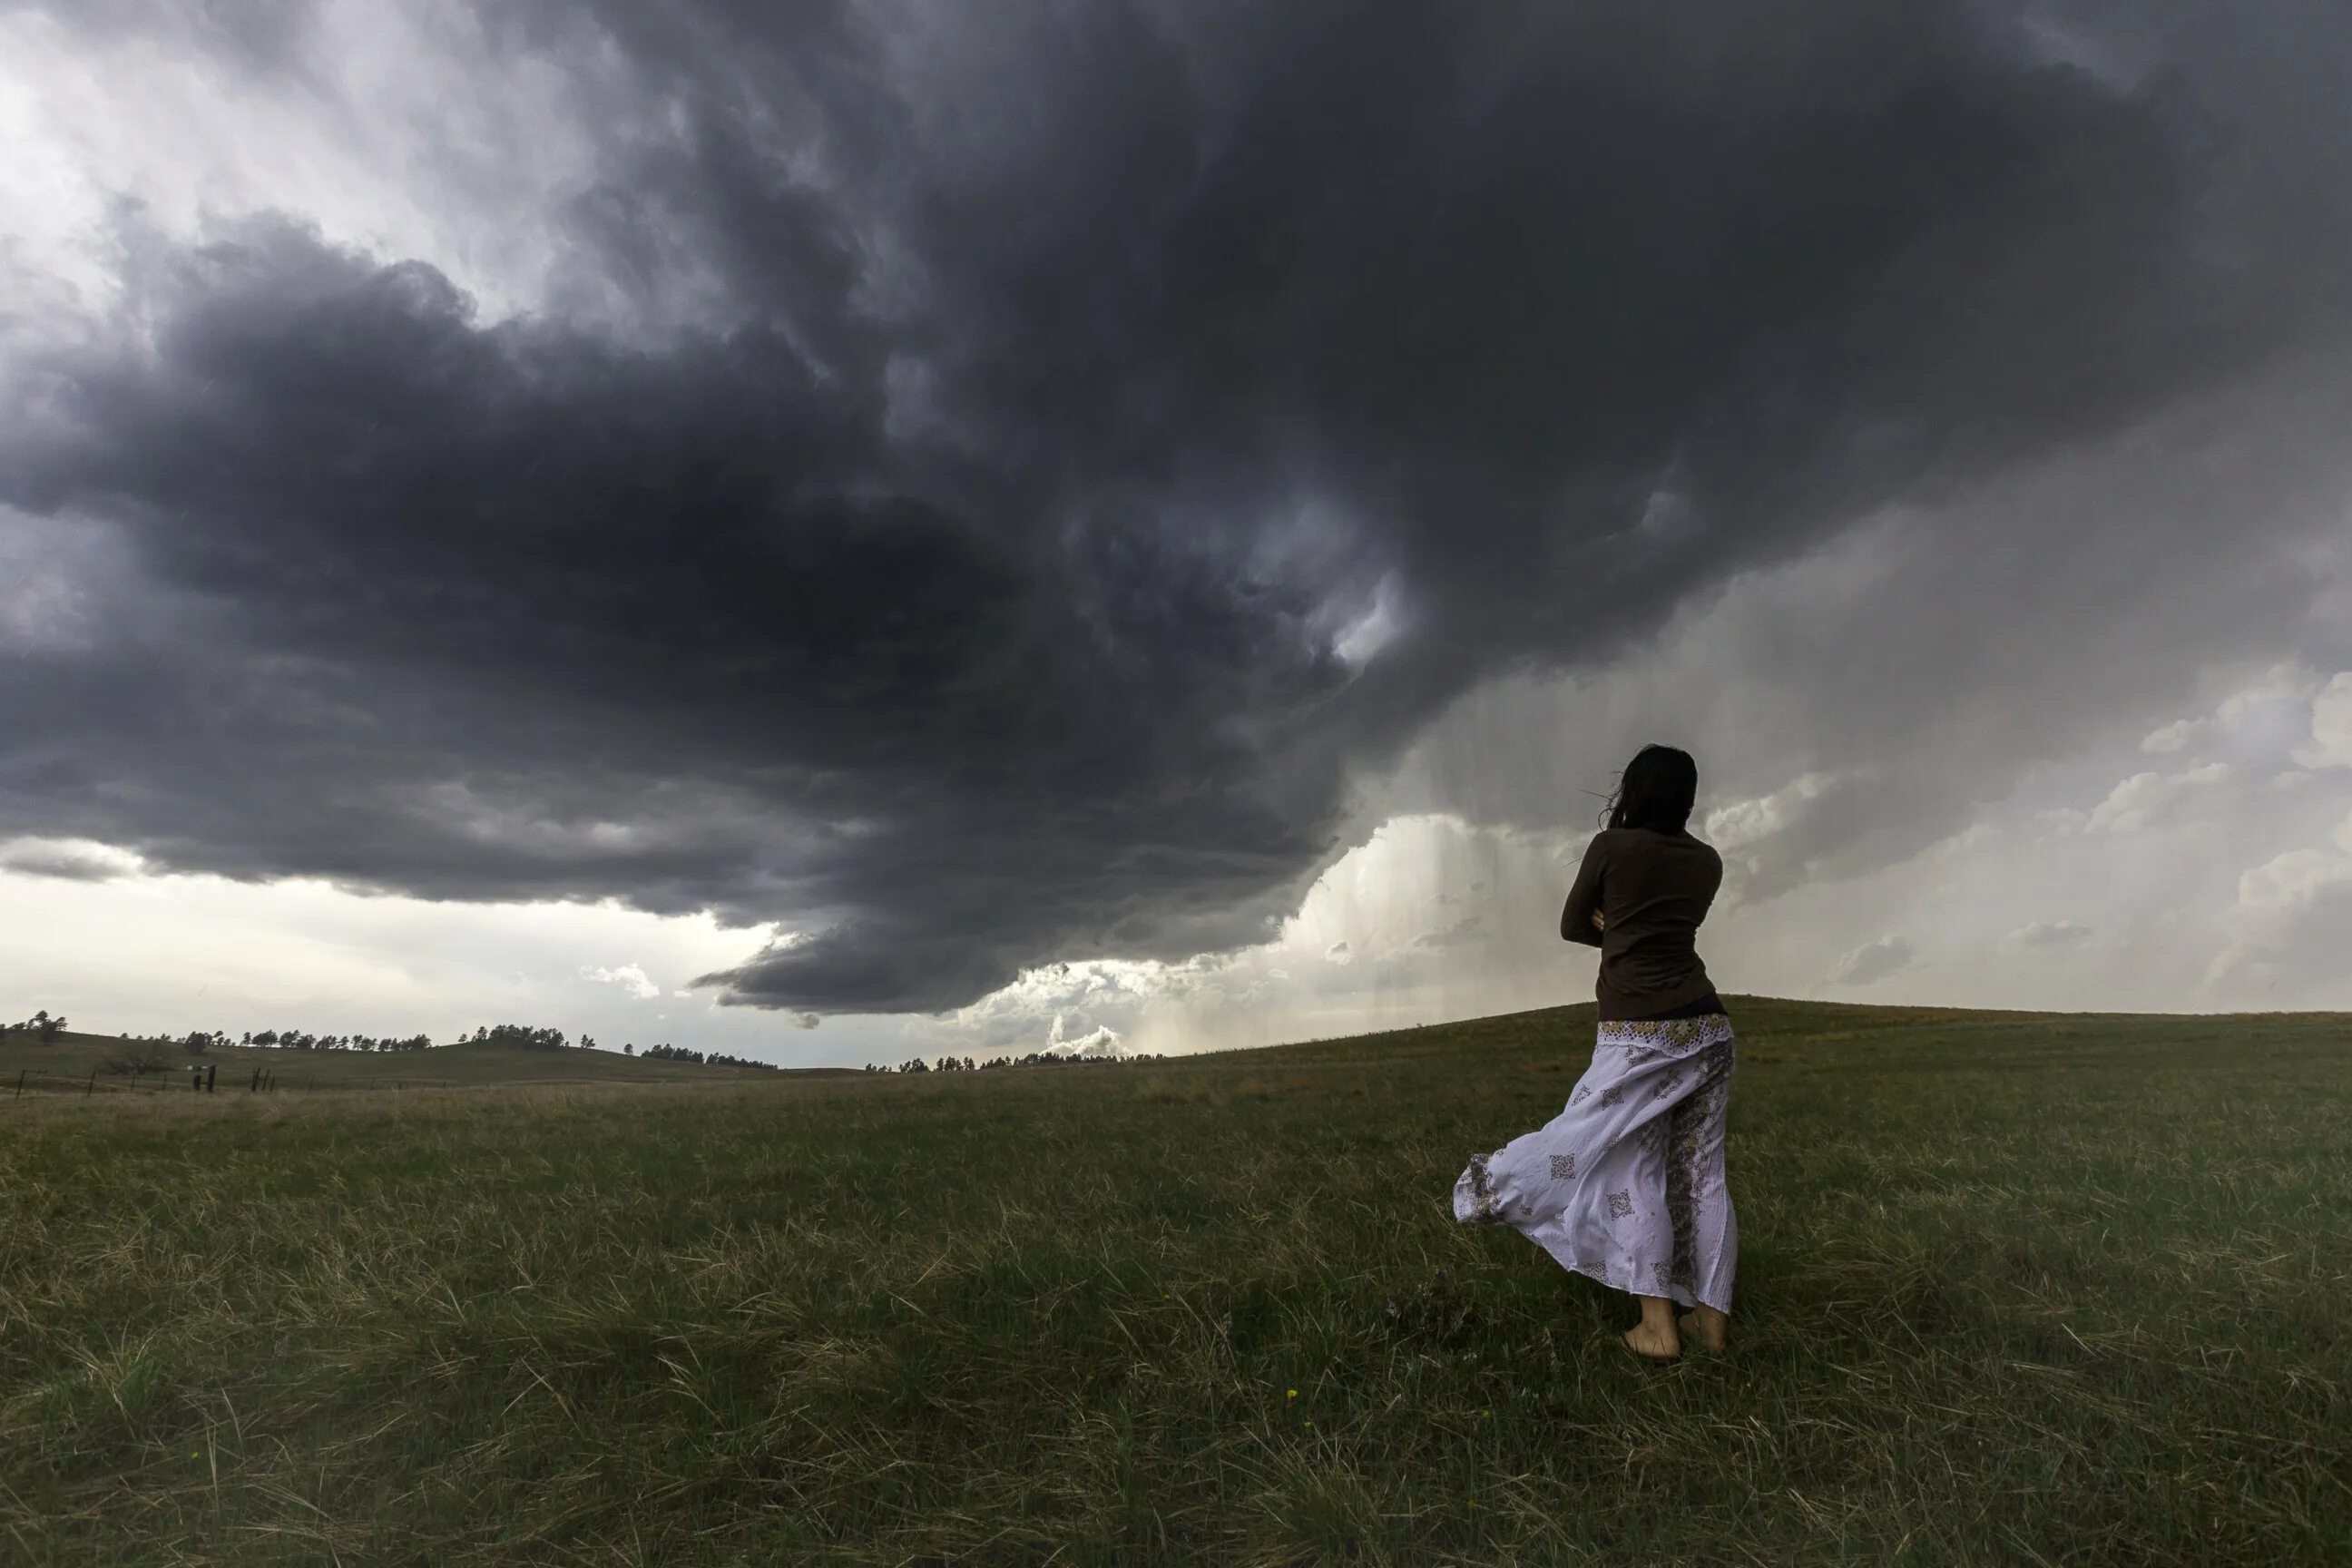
[(1651, 891)]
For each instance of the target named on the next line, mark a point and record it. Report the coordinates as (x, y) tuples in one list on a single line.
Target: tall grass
[(2011, 1289)]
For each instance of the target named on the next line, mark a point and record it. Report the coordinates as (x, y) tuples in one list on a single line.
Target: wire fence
[(29, 1083)]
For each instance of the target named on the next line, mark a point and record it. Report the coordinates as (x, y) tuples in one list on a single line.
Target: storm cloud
[(983, 487)]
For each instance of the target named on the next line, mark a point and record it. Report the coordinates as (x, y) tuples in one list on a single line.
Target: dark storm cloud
[(930, 515)]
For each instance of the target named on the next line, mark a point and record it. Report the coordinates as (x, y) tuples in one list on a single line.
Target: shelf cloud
[(976, 491)]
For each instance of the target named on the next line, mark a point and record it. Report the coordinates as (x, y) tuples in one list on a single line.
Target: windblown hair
[(1655, 790)]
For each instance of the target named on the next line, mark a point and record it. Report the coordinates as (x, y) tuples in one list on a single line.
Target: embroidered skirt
[(1626, 1183)]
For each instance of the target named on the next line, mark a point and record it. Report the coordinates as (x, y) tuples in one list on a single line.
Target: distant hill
[(1759, 1020), (75, 1055)]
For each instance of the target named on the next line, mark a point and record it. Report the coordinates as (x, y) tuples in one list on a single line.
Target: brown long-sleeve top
[(1651, 890)]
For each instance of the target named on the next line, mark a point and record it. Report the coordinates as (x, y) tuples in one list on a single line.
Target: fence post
[(90, 1088), (20, 1084)]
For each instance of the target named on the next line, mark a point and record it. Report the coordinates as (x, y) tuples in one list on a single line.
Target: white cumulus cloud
[(1872, 962), (2290, 926), (1102, 1042), (1745, 822), (2331, 726), (2177, 736), (2047, 933), (2284, 684), (2160, 800), (628, 976)]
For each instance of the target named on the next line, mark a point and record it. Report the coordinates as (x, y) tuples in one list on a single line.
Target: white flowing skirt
[(1626, 1183)]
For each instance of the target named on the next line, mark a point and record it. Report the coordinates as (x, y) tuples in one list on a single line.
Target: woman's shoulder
[(1650, 842), (1612, 840), (1682, 836), (1683, 841)]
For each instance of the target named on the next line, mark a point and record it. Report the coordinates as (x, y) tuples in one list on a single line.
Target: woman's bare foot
[(1708, 1327), (1652, 1343), (1654, 1337)]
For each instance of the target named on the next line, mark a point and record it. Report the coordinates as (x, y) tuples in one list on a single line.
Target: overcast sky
[(840, 530)]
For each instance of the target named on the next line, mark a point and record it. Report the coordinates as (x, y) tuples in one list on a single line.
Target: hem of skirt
[(1472, 1208)]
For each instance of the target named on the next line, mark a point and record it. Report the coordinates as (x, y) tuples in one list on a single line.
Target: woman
[(1626, 1183)]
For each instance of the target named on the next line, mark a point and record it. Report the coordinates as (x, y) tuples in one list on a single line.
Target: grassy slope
[(2013, 1290)]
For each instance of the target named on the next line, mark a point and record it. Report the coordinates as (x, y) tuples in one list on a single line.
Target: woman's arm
[(1580, 920)]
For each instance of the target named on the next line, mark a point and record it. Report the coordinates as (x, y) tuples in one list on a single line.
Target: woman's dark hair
[(1655, 790)]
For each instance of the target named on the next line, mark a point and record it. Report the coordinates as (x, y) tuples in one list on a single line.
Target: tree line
[(47, 1029), (298, 1040), (1034, 1059), (699, 1058)]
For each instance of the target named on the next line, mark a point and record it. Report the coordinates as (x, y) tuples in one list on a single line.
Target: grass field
[(2013, 1290)]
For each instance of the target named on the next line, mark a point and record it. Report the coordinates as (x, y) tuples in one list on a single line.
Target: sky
[(861, 529)]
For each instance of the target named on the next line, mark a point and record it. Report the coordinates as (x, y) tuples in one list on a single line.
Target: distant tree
[(50, 1028), (37, 1025), (138, 1059), (630, 1049)]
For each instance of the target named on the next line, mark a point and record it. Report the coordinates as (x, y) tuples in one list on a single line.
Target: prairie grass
[(2013, 1290)]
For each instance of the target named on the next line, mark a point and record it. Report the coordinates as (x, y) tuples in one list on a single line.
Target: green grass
[(2013, 1290)]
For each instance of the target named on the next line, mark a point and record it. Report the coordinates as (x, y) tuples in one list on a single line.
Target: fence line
[(40, 1084)]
